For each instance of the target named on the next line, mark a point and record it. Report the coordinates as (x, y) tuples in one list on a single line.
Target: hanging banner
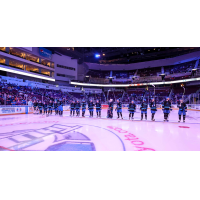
[(45, 52)]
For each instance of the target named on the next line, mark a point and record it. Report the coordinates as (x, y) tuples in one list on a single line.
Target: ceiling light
[(97, 55)]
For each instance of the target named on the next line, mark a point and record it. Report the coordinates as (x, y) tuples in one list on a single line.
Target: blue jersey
[(166, 105), (45, 106), (40, 106), (55, 105), (143, 106), (98, 106), (50, 105), (119, 106), (72, 106), (182, 106), (152, 105), (83, 105), (91, 105), (131, 107), (78, 105), (60, 106)]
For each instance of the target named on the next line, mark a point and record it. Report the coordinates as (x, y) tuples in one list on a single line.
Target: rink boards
[(11, 110)]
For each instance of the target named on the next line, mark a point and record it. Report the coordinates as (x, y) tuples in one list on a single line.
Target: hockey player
[(182, 110), (98, 108), (166, 108), (143, 109), (72, 108), (78, 105), (83, 108), (35, 104), (110, 109), (60, 108), (45, 107), (131, 109), (50, 107), (119, 109), (153, 109), (55, 106), (91, 107), (40, 106)]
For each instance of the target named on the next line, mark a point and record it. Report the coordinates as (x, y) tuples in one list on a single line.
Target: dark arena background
[(99, 99)]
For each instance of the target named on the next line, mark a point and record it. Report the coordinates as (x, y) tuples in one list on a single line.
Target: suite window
[(45, 72), (32, 58), (2, 60), (32, 69), (43, 62), (16, 52), (2, 48), (47, 63), (16, 64)]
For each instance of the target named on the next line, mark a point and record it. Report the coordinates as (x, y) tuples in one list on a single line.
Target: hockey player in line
[(98, 108), (182, 110), (45, 108), (119, 109), (110, 109), (153, 109), (60, 109), (40, 106), (166, 109), (72, 108), (35, 106), (143, 109), (91, 107), (83, 108), (78, 105), (50, 107), (131, 109), (55, 106)]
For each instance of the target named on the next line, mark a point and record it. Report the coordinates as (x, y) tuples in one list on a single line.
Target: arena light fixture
[(97, 55), (26, 74)]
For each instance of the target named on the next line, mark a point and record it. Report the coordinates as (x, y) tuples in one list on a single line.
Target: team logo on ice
[(57, 137)]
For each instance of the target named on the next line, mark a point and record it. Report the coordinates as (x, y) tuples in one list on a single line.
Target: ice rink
[(32, 132)]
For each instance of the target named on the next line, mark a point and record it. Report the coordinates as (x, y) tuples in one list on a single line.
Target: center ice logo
[(57, 137)]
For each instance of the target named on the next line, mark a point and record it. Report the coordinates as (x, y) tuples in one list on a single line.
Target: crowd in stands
[(23, 95), (13, 94)]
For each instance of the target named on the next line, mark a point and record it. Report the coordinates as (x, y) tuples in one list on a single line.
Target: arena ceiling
[(121, 55)]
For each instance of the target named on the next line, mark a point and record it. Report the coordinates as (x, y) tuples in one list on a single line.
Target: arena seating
[(180, 68)]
